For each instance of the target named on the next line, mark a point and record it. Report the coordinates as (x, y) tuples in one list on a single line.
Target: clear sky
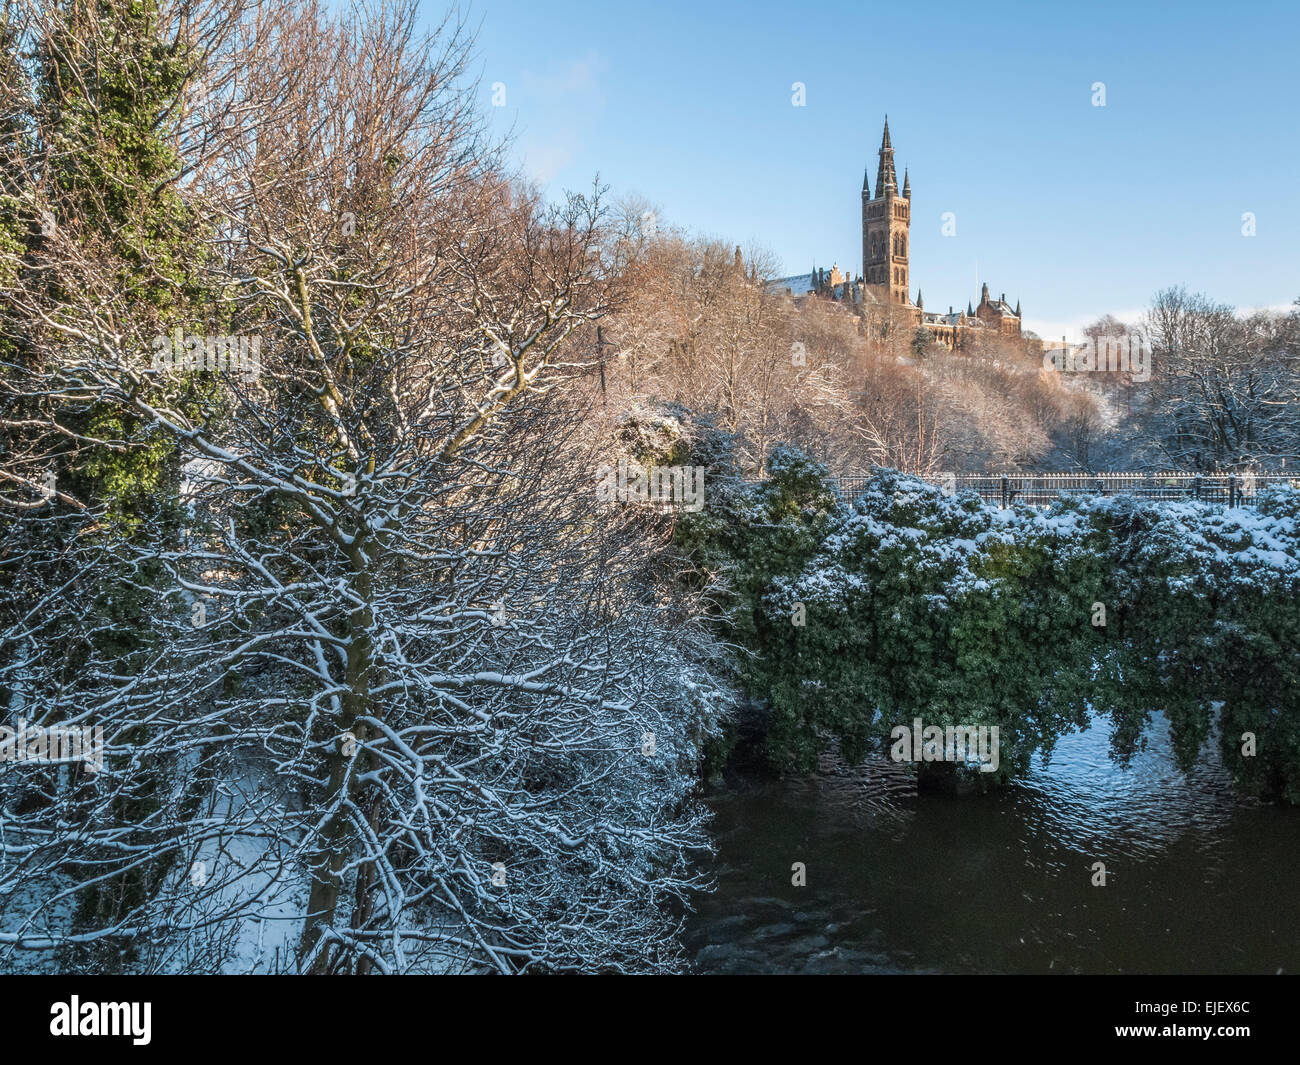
[(1074, 209)]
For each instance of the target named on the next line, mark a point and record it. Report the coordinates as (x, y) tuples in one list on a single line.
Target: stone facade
[(886, 221), (886, 267)]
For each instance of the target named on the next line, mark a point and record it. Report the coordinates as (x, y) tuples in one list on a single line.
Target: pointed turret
[(969, 312), (984, 294), (1017, 308), (886, 175), (866, 184), (907, 185), (920, 303)]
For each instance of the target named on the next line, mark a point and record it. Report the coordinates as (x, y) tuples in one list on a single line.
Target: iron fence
[(1040, 489)]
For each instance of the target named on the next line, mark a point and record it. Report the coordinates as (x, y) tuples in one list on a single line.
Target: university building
[(885, 279)]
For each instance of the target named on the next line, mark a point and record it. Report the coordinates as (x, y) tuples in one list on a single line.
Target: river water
[(1198, 880)]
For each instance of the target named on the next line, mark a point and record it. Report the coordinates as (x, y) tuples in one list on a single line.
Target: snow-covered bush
[(918, 604)]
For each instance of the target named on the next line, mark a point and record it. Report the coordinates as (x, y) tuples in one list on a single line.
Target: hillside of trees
[(860, 388)]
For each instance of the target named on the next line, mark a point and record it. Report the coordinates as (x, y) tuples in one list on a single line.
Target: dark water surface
[(1199, 880)]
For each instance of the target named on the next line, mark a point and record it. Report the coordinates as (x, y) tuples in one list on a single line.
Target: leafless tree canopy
[(407, 698)]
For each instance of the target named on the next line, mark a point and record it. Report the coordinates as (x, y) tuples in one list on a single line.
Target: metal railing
[(1040, 489)]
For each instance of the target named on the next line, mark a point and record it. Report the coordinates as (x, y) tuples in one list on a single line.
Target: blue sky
[(1073, 209)]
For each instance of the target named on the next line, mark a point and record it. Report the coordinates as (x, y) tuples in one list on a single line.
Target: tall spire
[(907, 185), (886, 175), (866, 185), (1017, 308)]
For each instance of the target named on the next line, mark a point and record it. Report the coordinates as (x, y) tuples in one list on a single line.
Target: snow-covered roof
[(798, 284), (956, 318)]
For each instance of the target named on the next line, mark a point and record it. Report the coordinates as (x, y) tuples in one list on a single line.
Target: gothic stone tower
[(885, 222)]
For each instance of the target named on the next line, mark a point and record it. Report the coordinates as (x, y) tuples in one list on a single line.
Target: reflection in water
[(1199, 881)]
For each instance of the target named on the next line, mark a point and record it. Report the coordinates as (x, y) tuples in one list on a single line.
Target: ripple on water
[(1198, 880)]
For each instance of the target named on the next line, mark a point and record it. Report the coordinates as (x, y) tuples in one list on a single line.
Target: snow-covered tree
[(417, 700)]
